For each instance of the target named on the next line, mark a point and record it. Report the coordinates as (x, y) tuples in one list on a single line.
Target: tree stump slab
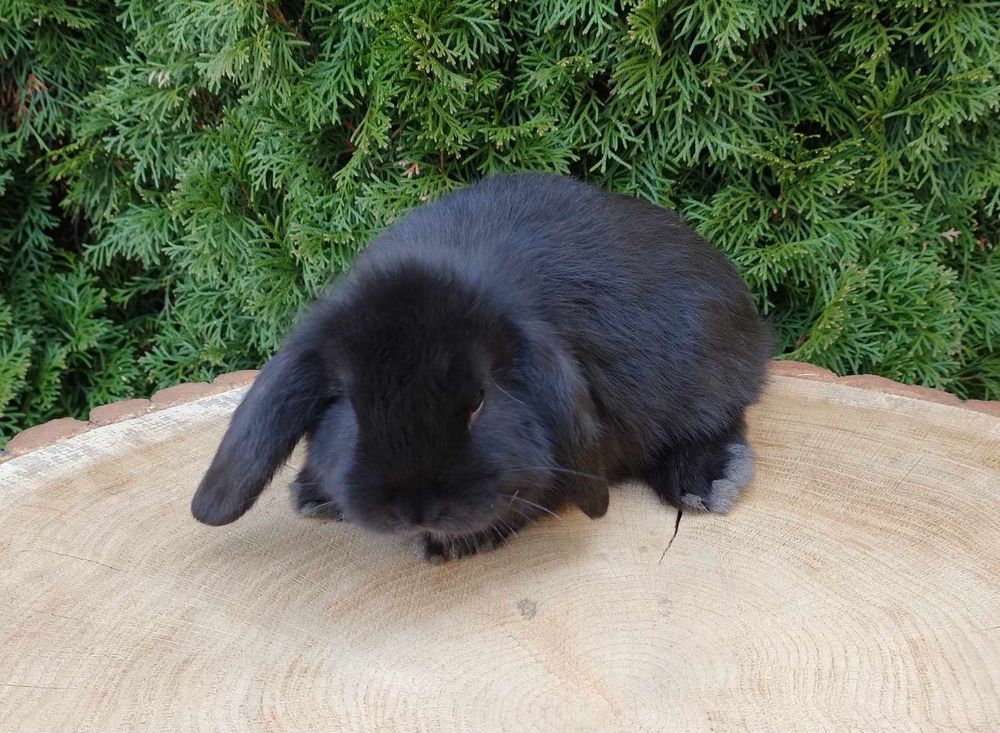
[(855, 585)]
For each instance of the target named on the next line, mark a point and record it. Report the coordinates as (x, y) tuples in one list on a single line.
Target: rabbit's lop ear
[(284, 402), (591, 498), (561, 388)]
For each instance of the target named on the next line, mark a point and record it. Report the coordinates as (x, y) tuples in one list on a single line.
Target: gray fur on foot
[(739, 471), (693, 501)]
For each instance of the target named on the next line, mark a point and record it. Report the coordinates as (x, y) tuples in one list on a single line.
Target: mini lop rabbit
[(514, 346)]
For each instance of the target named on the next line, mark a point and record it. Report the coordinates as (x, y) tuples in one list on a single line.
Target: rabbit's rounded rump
[(516, 345)]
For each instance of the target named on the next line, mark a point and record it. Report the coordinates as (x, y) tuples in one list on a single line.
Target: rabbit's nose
[(435, 511), (415, 513), (423, 512), (411, 510)]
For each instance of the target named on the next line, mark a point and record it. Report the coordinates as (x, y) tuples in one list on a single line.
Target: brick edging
[(47, 433), (881, 384)]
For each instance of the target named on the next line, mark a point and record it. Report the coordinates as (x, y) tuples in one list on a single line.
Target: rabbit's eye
[(477, 409)]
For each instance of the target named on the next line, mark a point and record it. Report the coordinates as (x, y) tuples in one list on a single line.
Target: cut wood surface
[(856, 585)]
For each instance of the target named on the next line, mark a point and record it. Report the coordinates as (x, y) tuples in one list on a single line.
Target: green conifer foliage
[(64, 334), (179, 177)]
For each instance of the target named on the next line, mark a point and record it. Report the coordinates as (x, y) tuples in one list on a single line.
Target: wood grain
[(854, 586)]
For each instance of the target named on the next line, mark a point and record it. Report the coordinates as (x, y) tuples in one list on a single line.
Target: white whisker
[(536, 506), (497, 385)]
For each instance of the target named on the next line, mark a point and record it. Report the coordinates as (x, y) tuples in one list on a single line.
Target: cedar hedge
[(179, 177)]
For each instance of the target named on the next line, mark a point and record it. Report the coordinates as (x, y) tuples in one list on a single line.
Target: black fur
[(605, 339)]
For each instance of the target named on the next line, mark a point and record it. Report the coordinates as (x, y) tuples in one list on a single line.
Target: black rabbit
[(516, 345)]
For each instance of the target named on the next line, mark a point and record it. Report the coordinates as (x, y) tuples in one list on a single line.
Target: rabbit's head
[(432, 403)]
